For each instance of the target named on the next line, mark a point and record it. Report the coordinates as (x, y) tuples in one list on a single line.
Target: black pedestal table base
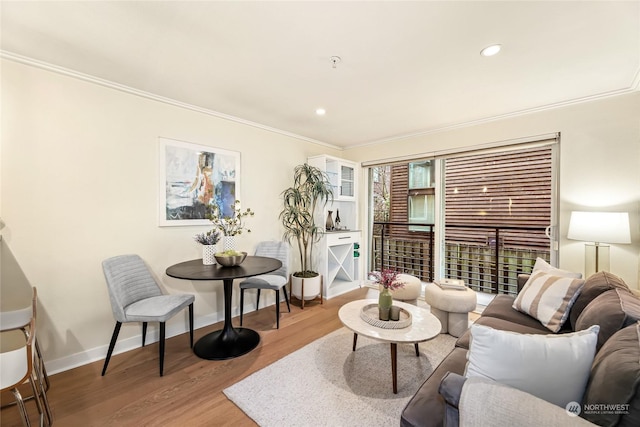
[(220, 346)]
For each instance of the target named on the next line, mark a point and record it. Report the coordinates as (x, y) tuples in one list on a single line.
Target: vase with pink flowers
[(388, 279)]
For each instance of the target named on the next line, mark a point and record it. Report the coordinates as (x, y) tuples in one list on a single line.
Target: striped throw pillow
[(548, 298)]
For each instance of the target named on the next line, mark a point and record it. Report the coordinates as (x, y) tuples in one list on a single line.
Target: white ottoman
[(451, 307), (410, 291)]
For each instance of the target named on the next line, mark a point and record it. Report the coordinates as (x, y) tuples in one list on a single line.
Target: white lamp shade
[(600, 227)]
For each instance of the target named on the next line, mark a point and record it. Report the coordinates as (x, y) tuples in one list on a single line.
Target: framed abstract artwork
[(192, 179)]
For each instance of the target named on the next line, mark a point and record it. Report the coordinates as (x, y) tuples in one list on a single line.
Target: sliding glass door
[(482, 216)]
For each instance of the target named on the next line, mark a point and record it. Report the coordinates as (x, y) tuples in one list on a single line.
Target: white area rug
[(327, 384)]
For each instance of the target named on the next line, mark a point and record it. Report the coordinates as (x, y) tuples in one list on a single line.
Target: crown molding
[(132, 91), (634, 87)]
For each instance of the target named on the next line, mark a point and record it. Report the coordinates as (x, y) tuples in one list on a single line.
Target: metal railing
[(491, 266)]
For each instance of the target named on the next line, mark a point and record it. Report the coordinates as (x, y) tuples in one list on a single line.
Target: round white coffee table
[(424, 326)]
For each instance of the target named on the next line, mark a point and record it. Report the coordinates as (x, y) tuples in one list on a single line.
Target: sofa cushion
[(548, 298), (427, 407), (613, 310), (552, 367), (501, 307), (595, 285), (502, 325), (615, 380)]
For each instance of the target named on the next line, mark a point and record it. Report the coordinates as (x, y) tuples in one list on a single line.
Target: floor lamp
[(598, 227)]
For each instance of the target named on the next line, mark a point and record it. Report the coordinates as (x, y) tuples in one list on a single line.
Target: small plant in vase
[(388, 279), (230, 226), (208, 241)]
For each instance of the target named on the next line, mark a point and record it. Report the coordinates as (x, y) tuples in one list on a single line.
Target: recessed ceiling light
[(321, 111), (491, 50)]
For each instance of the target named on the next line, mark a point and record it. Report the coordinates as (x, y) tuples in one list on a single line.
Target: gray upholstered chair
[(136, 297), (275, 280)]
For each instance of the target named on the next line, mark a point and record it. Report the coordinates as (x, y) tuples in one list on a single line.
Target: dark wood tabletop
[(196, 270)]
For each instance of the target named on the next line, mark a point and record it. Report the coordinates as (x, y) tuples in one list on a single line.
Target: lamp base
[(596, 258)]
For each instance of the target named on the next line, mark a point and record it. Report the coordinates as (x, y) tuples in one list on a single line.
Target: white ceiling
[(407, 67)]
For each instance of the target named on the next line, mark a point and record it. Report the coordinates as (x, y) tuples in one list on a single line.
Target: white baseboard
[(123, 345)]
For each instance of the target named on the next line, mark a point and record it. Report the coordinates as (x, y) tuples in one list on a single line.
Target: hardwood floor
[(190, 392)]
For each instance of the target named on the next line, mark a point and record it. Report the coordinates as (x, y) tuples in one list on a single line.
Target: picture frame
[(192, 178)]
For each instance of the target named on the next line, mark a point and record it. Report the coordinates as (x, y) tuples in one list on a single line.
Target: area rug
[(327, 384)]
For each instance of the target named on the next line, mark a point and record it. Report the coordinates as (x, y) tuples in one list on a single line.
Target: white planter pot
[(208, 252), (312, 287), (228, 243)]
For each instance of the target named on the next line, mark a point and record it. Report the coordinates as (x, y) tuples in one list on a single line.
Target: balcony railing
[(489, 259)]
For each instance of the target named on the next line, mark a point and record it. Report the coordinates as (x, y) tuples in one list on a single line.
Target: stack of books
[(451, 284)]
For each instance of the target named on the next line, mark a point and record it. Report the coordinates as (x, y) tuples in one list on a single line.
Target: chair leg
[(191, 325), (42, 366), (21, 407), (277, 309), (144, 332), (241, 304), (258, 300), (286, 297), (162, 325), (112, 344), (39, 382), (36, 397)]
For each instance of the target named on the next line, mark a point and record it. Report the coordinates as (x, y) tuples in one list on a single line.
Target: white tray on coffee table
[(371, 315)]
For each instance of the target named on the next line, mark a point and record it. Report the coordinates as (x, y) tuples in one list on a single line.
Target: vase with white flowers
[(230, 225), (208, 241)]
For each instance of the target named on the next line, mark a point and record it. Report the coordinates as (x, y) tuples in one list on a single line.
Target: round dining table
[(229, 342)]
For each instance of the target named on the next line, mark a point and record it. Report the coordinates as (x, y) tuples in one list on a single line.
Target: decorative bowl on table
[(230, 258)]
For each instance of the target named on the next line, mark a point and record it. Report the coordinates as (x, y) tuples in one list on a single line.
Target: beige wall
[(79, 179), (599, 156)]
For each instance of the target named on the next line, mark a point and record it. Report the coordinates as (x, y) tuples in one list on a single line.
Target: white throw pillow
[(544, 266), (552, 367), (548, 298)]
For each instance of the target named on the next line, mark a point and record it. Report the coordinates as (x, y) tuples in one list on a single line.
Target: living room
[(79, 180)]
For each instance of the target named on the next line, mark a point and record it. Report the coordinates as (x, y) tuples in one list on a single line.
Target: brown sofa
[(605, 300)]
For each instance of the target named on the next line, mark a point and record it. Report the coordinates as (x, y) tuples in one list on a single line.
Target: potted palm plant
[(311, 190)]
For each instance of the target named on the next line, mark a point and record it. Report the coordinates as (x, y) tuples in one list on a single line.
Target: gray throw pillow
[(612, 311), (615, 381), (595, 285)]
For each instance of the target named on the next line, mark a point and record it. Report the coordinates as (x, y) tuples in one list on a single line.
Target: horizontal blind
[(399, 201), (491, 147), (499, 189)]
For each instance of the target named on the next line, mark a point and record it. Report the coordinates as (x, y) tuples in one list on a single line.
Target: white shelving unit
[(338, 255), (341, 173)]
